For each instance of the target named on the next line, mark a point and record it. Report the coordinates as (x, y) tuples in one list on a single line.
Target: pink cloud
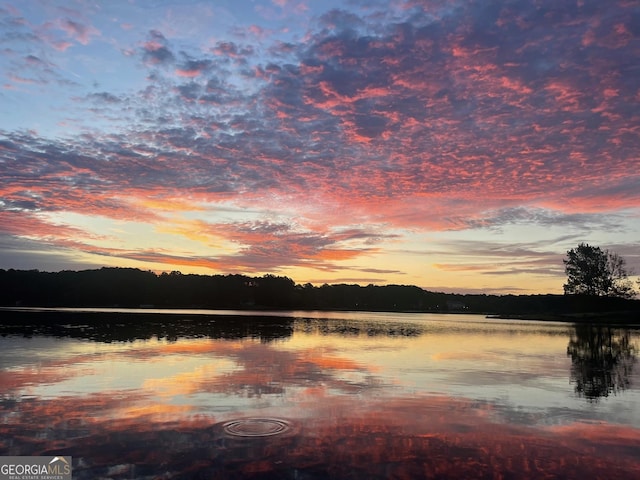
[(60, 45), (23, 80), (188, 73), (78, 31), (258, 31)]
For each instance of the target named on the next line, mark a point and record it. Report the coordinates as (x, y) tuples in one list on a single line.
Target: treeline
[(128, 287)]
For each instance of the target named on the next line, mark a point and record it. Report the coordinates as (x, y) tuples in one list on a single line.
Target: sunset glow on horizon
[(460, 146)]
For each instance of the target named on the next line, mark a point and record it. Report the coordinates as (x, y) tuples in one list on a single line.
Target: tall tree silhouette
[(596, 272)]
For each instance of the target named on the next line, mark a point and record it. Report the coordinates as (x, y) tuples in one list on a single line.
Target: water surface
[(144, 394)]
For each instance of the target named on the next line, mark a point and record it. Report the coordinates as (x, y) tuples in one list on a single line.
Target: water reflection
[(128, 327), (602, 360), (363, 397), (346, 327), (394, 437)]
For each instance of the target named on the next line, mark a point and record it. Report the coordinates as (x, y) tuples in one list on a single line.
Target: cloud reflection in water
[(365, 400)]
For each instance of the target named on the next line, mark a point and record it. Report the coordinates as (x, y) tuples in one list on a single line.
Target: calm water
[(303, 395)]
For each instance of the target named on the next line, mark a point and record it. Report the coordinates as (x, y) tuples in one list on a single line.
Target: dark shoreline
[(624, 318), (53, 314), (132, 288)]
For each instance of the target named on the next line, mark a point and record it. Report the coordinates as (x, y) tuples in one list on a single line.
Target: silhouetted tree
[(130, 287), (602, 360), (272, 291), (596, 272)]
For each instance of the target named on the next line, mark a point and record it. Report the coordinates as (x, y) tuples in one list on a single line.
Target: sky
[(460, 146)]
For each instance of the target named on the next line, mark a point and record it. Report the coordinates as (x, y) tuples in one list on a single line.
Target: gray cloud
[(156, 51)]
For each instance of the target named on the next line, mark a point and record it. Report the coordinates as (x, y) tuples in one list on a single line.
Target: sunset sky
[(461, 146)]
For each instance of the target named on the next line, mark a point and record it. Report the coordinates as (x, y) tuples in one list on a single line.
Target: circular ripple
[(256, 427)]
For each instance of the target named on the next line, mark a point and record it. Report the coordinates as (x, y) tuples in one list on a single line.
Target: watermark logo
[(35, 468)]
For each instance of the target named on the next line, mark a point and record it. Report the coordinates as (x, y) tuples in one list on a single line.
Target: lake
[(311, 395)]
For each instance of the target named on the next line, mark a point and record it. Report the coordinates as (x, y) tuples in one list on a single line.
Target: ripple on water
[(256, 427)]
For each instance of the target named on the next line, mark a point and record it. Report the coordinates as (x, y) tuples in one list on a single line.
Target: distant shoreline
[(626, 318), (617, 318), (134, 288)]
